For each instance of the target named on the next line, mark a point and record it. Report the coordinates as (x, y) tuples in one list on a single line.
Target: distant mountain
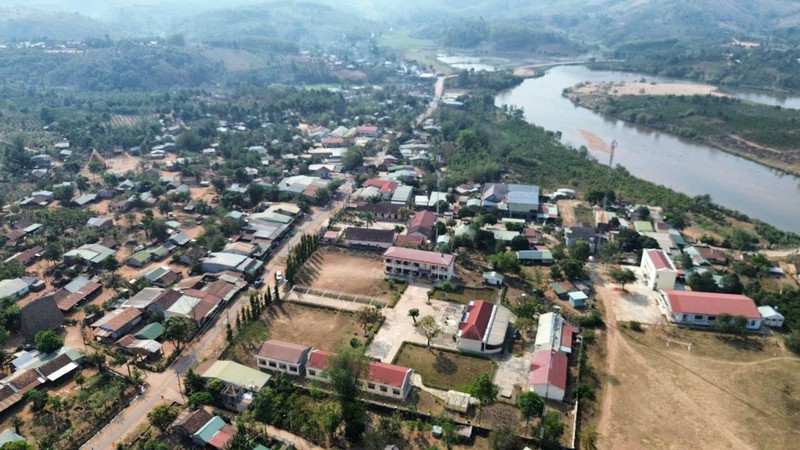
[(23, 23)]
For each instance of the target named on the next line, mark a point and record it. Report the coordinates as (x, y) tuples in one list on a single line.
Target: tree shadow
[(443, 364), (742, 343)]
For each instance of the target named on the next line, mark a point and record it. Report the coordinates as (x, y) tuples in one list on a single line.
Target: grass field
[(727, 392), (443, 370), (464, 295)]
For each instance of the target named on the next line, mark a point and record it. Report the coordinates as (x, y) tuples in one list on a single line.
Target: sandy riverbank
[(639, 88), (594, 141)]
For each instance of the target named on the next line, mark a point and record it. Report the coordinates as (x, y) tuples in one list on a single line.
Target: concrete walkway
[(399, 327)]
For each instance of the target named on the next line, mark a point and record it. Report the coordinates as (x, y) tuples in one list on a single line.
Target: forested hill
[(24, 24)]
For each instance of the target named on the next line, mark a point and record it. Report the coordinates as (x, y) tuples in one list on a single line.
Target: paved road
[(164, 387), (437, 96)]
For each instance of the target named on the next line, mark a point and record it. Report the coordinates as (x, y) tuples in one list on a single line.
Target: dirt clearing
[(340, 270), (320, 328), (725, 392)]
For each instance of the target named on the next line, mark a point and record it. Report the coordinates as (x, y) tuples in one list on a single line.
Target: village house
[(38, 315), (658, 271), (554, 332), (548, 374), (115, 324), (381, 211), (407, 262), (368, 237), (483, 327), (280, 356), (771, 317), (422, 224), (535, 257), (240, 383)]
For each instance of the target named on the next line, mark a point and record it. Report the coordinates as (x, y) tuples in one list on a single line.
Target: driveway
[(512, 371), (399, 327), (637, 302)]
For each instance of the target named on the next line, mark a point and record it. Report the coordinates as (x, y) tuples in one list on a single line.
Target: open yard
[(443, 370), (344, 271), (464, 294), (726, 392), (317, 327)]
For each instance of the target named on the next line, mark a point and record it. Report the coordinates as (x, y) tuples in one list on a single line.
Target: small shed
[(493, 278), (772, 318), (457, 401), (577, 299)]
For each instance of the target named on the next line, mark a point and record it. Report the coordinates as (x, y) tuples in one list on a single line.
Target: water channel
[(684, 166)]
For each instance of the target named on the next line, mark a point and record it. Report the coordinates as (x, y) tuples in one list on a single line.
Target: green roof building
[(151, 331)]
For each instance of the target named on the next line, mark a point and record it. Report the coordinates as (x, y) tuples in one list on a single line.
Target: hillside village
[(218, 278)]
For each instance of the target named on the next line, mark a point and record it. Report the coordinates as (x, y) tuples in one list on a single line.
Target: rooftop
[(476, 321), (283, 351), (422, 256), (660, 259), (236, 374), (711, 303), (388, 374)]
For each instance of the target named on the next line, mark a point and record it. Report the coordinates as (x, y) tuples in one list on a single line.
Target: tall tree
[(530, 405), (179, 330), (162, 417), (622, 276), (484, 390), (344, 371), (429, 328)]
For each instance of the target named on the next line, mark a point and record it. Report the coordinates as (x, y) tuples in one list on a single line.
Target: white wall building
[(407, 262), (658, 271)]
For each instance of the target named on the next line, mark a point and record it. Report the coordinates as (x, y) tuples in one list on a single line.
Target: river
[(684, 166)]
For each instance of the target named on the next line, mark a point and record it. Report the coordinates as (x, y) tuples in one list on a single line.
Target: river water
[(684, 166)]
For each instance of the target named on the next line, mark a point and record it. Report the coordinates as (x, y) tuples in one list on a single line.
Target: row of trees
[(299, 254)]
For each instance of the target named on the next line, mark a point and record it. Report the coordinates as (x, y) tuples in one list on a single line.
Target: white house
[(483, 328), (401, 261), (554, 332), (702, 308), (280, 356), (657, 270), (771, 317)]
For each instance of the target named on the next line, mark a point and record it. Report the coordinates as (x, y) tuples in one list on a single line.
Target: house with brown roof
[(409, 241), (189, 421), (368, 237), (381, 211), (27, 257), (280, 356), (116, 323), (38, 315), (422, 224), (76, 292)]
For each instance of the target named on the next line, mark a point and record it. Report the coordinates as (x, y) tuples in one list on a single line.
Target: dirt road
[(438, 91)]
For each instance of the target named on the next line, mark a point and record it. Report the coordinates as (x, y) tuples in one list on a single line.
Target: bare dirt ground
[(344, 271), (320, 328), (638, 88), (567, 210), (725, 392)]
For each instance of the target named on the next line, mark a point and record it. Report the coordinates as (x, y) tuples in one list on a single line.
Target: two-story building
[(658, 271), (408, 262)]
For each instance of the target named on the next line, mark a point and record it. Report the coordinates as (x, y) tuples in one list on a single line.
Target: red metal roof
[(282, 351), (659, 259), (409, 239), (711, 303), (388, 374), (422, 256), (549, 366), (221, 437), (476, 322), (385, 186), (567, 331), (422, 222), (318, 359)]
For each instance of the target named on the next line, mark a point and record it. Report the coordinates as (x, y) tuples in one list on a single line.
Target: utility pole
[(610, 172)]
